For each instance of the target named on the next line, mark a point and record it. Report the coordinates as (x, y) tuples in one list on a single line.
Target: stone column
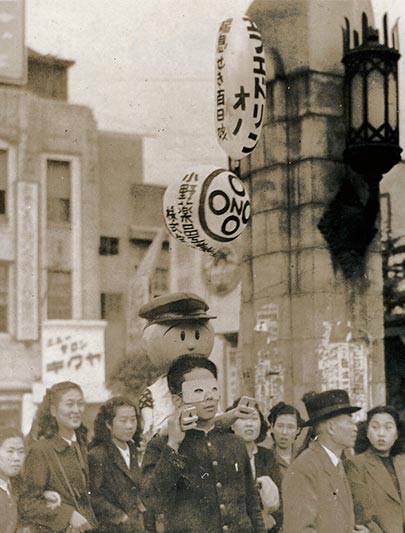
[(304, 325)]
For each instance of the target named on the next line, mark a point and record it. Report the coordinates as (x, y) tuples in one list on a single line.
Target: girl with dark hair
[(12, 456), (377, 476), (265, 469), (114, 470), (285, 424), (57, 462)]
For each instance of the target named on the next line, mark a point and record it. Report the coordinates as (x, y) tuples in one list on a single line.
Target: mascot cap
[(175, 307)]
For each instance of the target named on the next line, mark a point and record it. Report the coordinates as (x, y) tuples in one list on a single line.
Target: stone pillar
[(304, 326)]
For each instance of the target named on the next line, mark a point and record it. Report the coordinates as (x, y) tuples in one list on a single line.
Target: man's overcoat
[(316, 495)]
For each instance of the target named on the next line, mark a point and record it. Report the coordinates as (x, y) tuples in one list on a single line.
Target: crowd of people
[(208, 471)]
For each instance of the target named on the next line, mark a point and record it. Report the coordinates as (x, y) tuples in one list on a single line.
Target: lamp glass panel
[(392, 101), (356, 97), (375, 96)]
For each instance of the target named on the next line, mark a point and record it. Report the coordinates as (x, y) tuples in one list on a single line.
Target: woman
[(377, 476), (57, 462), (265, 470), (114, 469), (12, 456), (285, 424)]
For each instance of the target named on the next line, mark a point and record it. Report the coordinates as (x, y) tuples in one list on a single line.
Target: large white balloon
[(206, 208), (240, 80)]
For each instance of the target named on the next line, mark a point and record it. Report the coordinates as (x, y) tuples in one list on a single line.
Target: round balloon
[(240, 86), (206, 208)]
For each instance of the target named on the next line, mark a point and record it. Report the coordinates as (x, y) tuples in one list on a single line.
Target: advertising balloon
[(240, 86), (206, 208)]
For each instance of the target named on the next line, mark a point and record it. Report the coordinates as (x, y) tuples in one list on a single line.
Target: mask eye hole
[(197, 334), (182, 335)]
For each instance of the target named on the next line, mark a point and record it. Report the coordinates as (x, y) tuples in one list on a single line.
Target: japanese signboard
[(13, 56), (344, 365), (206, 208), (240, 85), (73, 350)]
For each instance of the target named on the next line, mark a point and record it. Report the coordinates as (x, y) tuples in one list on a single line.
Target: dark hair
[(106, 414), (46, 424), (263, 424), (362, 441), (185, 364), (282, 408), (10, 433)]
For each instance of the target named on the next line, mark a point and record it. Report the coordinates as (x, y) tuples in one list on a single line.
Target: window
[(58, 191), (3, 181), (111, 306), (59, 295), (160, 282), (109, 246), (3, 298)]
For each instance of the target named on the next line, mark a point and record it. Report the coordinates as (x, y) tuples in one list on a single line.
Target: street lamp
[(371, 101)]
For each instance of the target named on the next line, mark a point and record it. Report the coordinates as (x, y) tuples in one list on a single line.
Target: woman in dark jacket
[(377, 476), (263, 462), (57, 462), (114, 469)]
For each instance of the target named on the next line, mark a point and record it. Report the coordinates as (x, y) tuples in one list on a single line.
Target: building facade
[(75, 220)]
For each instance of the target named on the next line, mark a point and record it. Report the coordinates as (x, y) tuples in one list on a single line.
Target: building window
[(3, 298), (160, 282), (58, 178), (59, 295), (111, 306), (3, 181), (109, 246)]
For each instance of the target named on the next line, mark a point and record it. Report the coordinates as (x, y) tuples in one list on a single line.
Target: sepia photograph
[(202, 266)]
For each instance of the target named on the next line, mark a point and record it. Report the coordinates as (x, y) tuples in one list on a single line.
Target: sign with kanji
[(73, 350), (240, 86), (206, 208), (13, 55)]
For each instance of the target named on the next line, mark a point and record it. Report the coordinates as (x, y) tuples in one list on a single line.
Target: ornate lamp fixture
[(371, 101)]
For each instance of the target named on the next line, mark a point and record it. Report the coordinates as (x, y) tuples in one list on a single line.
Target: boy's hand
[(177, 427)]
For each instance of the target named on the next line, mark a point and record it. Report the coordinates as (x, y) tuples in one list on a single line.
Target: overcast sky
[(147, 67)]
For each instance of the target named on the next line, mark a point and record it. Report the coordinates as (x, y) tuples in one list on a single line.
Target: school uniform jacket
[(316, 495), (377, 501), (42, 472), (115, 488), (205, 487)]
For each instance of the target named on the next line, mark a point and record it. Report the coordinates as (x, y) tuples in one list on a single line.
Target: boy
[(198, 475)]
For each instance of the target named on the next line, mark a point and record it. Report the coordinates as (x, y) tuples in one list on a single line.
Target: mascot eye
[(197, 334), (182, 335)]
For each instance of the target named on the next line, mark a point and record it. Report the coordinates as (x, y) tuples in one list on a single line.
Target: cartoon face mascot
[(178, 324)]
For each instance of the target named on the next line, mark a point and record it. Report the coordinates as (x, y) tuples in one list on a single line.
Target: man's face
[(165, 342), (201, 379), (343, 430), (12, 456)]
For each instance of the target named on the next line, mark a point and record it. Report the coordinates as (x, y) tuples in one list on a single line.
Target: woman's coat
[(377, 502), (42, 472), (115, 488)]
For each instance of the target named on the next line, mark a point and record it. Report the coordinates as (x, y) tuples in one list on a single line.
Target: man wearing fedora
[(316, 492)]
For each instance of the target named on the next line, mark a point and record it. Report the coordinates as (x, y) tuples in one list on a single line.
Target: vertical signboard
[(27, 261), (13, 55)]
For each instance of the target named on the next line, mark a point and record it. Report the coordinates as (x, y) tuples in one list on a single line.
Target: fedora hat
[(175, 307), (327, 404)]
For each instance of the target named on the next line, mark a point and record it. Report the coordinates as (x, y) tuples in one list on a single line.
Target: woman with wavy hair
[(377, 473), (57, 463), (114, 469)]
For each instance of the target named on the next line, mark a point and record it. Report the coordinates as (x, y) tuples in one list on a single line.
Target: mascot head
[(178, 324)]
